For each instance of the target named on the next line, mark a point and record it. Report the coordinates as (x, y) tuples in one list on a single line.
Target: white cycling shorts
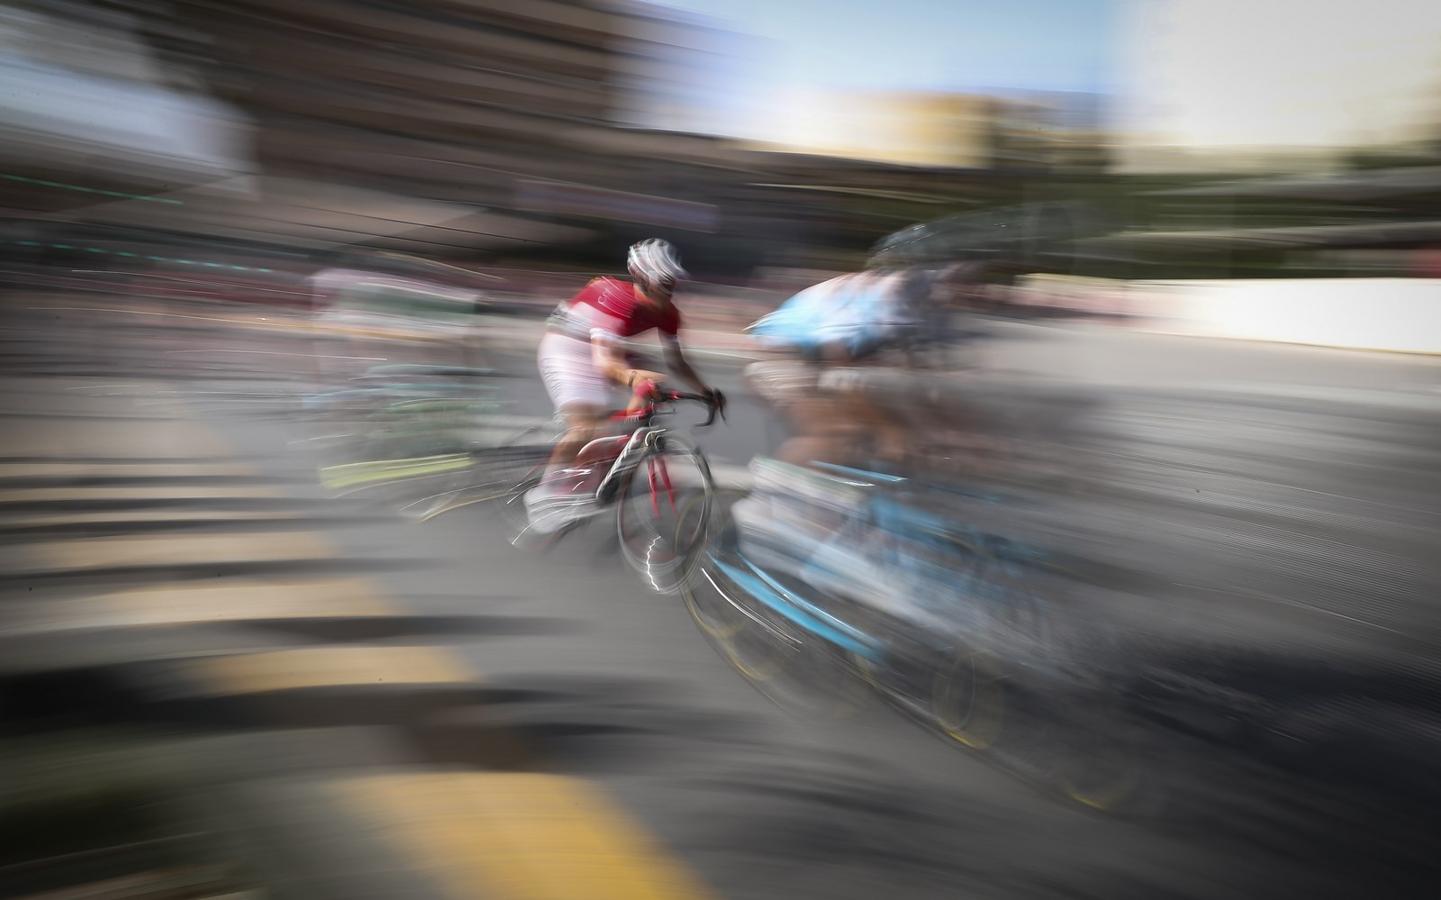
[(571, 376)]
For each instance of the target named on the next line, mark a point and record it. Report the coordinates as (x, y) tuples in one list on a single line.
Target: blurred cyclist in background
[(828, 340), (582, 357), (835, 343), (853, 383)]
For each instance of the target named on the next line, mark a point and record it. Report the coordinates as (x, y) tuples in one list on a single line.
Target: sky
[(945, 44), (1181, 73), (789, 50), (1363, 73)]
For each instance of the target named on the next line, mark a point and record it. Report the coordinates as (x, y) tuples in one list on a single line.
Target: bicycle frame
[(644, 442), (637, 446), (931, 536), (799, 611)]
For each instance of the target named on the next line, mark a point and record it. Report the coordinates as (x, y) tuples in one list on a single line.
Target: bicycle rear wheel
[(663, 513)]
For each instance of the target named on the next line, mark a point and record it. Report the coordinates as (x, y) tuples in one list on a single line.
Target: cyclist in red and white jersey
[(582, 357)]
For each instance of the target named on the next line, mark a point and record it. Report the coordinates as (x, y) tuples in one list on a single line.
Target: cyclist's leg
[(888, 437), (788, 387), (557, 500), (849, 429), (582, 422), (578, 391), (884, 397), (823, 429)]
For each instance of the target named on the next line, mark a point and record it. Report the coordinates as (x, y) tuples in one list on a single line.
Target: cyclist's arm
[(676, 361), (610, 359)]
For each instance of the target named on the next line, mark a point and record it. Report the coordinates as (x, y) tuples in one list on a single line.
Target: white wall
[(1398, 314)]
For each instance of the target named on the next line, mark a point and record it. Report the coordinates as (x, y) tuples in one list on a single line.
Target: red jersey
[(608, 308)]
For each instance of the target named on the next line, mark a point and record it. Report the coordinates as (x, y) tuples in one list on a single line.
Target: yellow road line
[(352, 474), (232, 601), (517, 837), (81, 554), (501, 835), (316, 667)]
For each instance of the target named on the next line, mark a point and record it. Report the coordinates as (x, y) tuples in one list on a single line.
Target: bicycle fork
[(625, 462), (654, 465)]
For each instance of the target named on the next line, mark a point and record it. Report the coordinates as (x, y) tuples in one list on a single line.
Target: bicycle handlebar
[(654, 397), (711, 406)]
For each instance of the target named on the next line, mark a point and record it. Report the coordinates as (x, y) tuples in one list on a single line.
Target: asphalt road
[(1257, 523)]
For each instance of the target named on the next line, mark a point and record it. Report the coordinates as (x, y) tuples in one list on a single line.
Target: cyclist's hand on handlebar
[(636, 377), (645, 389), (717, 400)]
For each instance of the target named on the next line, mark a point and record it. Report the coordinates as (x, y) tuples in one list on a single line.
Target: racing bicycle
[(960, 630), (656, 480)]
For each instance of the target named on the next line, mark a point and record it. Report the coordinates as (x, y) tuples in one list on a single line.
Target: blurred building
[(90, 116), (1017, 130), (442, 127), (448, 98), (685, 73), (903, 128), (552, 131), (1069, 130)]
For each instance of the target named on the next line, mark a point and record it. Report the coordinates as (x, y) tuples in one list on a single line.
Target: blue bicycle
[(955, 627)]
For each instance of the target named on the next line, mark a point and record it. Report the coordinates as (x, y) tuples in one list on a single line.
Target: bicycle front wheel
[(663, 513)]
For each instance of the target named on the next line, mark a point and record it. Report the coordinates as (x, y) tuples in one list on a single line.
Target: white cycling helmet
[(655, 261)]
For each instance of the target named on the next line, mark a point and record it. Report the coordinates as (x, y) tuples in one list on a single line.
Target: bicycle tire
[(1067, 725), (1099, 753), (968, 698), (1099, 763), (665, 562), (792, 670)]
